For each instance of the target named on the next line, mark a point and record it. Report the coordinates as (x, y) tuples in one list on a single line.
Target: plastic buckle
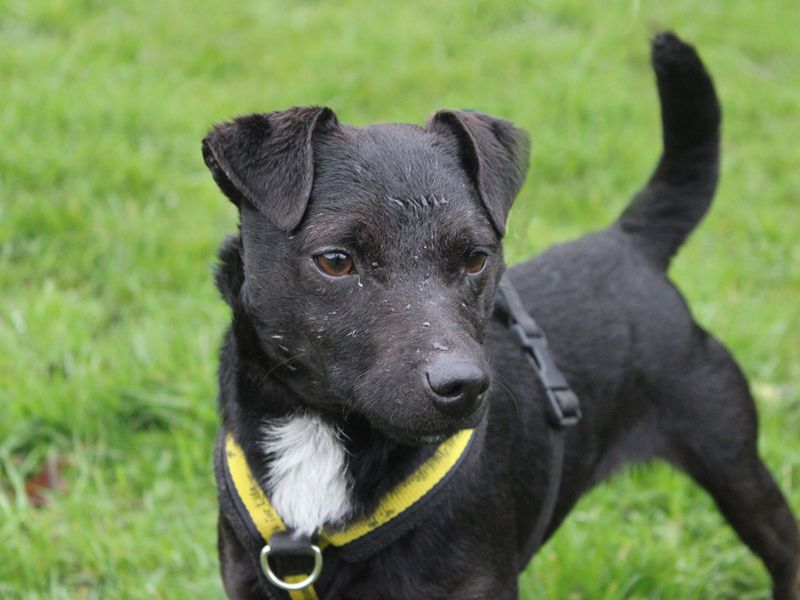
[(564, 405)]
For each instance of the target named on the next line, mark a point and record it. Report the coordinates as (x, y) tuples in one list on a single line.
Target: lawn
[(109, 223)]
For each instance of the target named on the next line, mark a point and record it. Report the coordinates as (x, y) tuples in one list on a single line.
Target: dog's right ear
[(267, 160), (494, 153)]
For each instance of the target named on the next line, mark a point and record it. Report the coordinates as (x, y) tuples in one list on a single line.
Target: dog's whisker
[(284, 363), (507, 388)]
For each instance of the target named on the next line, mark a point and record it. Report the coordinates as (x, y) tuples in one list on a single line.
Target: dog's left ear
[(267, 160), (494, 153)]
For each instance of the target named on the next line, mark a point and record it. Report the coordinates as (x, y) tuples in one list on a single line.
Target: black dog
[(362, 285)]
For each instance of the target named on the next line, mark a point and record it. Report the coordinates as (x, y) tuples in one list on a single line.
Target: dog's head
[(369, 257)]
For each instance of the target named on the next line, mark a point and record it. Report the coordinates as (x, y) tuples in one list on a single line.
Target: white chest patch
[(307, 482)]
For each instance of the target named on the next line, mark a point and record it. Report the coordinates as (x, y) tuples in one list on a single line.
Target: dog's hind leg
[(713, 431)]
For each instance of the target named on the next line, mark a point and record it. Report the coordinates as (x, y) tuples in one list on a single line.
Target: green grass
[(109, 323)]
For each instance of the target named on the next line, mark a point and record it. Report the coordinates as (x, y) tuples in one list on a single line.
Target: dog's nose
[(457, 385)]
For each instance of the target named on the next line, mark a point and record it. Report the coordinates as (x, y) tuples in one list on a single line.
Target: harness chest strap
[(397, 512)]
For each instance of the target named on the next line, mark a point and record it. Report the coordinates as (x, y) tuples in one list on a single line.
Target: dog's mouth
[(412, 438), (426, 436), (401, 434)]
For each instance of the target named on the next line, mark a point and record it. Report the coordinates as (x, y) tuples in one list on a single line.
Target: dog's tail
[(663, 214)]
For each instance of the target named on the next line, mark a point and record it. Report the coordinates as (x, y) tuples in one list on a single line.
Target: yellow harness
[(250, 498)]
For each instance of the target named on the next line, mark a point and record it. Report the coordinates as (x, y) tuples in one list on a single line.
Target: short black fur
[(408, 204)]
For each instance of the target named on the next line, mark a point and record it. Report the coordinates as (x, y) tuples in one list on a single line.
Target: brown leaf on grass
[(40, 486)]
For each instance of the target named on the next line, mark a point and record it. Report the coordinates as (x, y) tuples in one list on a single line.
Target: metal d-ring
[(286, 585)]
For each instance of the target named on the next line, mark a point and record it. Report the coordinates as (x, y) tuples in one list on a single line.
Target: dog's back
[(605, 297), (653, 383)]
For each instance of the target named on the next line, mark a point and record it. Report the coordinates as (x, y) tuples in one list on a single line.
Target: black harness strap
[(238, 518), (289, 555), (563, 407)]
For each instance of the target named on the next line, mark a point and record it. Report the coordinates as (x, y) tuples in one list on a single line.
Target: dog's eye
[(334, 263), (474, 263)]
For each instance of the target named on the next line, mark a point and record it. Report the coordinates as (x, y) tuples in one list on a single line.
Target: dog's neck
[(318, 469)]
